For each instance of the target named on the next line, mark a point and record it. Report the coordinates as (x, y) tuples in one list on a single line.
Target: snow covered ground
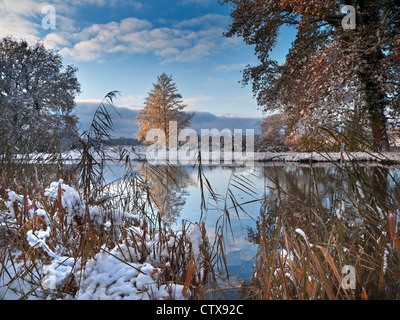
[(132, 269), (327, 157), (139, 153)]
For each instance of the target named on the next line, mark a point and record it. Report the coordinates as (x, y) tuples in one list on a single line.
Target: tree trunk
[(375, 100), (379, 133)]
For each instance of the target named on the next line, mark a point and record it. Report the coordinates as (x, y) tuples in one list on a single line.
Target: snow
[(384, 267), (71, 202), (326, 157), (140, 153), (38, 239), (292, 156), (43, 214), (12, 285), (301, 232), (57, 272), (70, 199), (286, 257), (108, 278), (112, 274), (360, 190), (195, 238), (341, 209)]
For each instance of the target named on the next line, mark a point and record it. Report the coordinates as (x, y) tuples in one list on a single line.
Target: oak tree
[(330, 70)]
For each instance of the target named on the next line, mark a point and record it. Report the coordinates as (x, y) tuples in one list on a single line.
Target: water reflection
[(341, 213), (322, 200), (167, 186)]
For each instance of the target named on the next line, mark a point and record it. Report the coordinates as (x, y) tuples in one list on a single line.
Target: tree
[(36, 98), (272, 130), (330, 70), (163, 104)]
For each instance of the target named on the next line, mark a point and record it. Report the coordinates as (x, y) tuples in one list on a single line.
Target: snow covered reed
[(56, 245)]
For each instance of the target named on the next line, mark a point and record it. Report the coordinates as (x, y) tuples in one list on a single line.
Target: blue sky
[(125, 45)]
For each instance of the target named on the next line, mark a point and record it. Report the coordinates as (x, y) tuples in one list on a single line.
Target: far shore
[(138, 154)]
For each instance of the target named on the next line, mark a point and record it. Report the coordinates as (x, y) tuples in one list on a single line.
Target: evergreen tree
[(163, 104)]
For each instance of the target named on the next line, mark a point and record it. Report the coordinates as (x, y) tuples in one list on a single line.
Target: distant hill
[(122, 141)]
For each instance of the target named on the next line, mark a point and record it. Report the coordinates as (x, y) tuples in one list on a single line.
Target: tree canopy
[(329, 71), (162, 105), (36, 98)]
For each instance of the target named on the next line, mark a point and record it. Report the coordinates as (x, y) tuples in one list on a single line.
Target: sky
[(125, 45)]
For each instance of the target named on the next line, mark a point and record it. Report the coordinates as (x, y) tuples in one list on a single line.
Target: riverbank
[(55, 245), (139, 154)]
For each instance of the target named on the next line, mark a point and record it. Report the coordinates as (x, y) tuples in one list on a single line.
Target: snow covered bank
[(139, 153), (327, 157), (126, 258)]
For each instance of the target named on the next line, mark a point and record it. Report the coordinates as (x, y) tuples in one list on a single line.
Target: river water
[(238, 194)]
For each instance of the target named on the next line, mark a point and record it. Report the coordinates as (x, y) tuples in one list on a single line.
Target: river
[(238, 194)]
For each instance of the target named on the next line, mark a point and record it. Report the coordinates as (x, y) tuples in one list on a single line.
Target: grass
[(306, 234)]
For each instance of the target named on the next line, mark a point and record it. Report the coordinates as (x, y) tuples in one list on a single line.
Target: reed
[(81, 220), (307, 236)]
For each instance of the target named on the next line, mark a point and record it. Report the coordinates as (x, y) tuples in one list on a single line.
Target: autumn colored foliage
[(331, 74)]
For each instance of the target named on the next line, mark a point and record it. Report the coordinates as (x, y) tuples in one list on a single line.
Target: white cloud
[(190, 40), (193, 103), (54, 41), (18, 27), (134, 24), (27, 8), (84, 50), (126, 125), (197, 52), (19, 19), (231, 67), (88, 101), (174, 43), (168, 52), (23, 18), (208, 20), (133, 102)]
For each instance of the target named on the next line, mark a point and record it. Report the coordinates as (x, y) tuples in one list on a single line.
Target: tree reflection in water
[(167, 188), (346, 214)]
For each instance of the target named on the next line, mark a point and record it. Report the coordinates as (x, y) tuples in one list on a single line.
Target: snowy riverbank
[(215, 158), (139, 154), (72, 250)]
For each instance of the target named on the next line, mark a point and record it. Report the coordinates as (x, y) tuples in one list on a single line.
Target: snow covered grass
[(57, 246)]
